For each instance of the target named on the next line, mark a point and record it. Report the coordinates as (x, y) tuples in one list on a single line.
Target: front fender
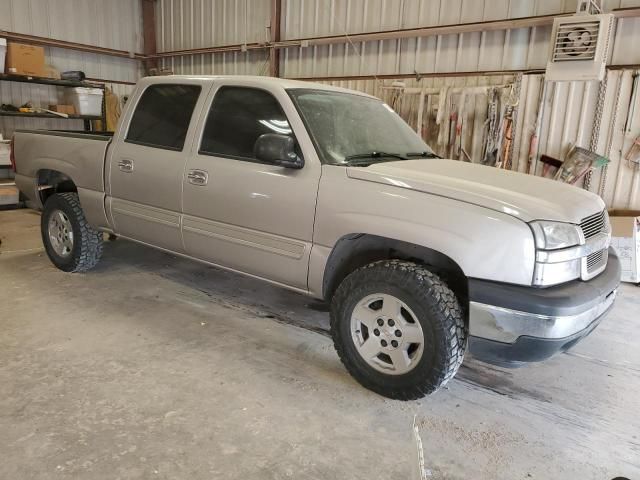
[(485, 244), (436, 237)]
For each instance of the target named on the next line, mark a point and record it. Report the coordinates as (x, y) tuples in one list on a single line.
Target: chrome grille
[(594, 224), (596, 260)]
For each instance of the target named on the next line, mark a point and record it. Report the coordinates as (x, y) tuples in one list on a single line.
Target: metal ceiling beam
[(274, 53), (107, 80), (81, 47), (393, 76), (489, 73), (149, 34), (274, 44)]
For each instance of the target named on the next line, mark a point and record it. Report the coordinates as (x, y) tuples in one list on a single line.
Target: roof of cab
[(255, 79)]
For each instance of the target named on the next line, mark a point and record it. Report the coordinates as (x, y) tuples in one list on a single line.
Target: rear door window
[(163, 115)]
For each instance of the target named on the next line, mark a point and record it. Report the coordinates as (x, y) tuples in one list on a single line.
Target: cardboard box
[(68, 109), (625, 238), (51, 72), (25, 60)]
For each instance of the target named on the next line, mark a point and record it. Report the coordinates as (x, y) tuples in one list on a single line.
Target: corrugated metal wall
[(524, 48), (569, 119), (113, 24), (198, 23), (183, 24)]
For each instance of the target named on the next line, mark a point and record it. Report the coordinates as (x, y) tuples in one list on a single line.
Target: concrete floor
[(152, 366)]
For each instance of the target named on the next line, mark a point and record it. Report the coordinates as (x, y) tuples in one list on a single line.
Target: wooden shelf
[(47, 81), (6, 77), (48, 115)]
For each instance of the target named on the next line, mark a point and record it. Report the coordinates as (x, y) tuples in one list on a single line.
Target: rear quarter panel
[(78, 156)]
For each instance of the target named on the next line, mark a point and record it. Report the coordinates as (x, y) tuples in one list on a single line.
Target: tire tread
[(90, 241), (430, 291)]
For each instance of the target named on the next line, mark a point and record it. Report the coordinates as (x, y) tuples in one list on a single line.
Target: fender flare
[(355, 250)]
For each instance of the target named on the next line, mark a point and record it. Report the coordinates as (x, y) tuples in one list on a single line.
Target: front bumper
[(510, 324)]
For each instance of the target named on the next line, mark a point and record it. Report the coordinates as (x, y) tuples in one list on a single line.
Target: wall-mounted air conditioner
[(579, 47)]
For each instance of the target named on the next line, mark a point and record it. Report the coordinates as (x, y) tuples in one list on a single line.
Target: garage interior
[(154, 366)]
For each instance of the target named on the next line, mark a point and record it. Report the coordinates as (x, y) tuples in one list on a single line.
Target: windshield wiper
[(371, 155), (423, 155)]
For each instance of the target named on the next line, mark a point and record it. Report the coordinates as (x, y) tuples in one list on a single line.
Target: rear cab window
[(162, 116)]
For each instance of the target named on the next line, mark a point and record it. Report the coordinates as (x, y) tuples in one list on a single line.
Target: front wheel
[(398, 329), (71, 243)]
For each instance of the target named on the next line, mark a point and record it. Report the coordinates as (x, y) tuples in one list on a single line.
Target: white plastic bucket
[(86, 100)]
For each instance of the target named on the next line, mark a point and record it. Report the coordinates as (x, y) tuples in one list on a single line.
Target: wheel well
[(53, 181), (357, 250)]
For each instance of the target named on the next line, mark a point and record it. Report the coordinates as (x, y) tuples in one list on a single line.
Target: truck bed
[(78, 155)]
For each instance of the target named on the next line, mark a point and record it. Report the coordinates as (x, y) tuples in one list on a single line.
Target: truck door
[(146, 167), (243, 214)]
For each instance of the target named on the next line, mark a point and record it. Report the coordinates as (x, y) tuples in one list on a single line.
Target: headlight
[(555, 235), (556, 261)]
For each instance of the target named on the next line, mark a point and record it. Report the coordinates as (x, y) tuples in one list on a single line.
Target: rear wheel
[(71, 243), (398, 329)]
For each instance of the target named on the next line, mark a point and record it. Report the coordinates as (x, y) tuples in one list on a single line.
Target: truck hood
[(523, 196)]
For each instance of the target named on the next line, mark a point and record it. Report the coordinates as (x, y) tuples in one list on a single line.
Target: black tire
[(87, 242), (436, 308)]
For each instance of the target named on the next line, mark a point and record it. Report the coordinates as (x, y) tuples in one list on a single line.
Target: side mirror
[(277, 149)]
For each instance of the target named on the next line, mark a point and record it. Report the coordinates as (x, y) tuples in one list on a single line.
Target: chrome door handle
[(198, 177), (126, 165)]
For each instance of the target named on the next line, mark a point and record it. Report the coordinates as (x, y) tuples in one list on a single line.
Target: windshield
[(348, 128)]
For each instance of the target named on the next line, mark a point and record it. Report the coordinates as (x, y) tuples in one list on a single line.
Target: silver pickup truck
[(327, 192)]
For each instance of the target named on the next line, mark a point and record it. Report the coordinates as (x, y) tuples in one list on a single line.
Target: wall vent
[(579, 47)]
